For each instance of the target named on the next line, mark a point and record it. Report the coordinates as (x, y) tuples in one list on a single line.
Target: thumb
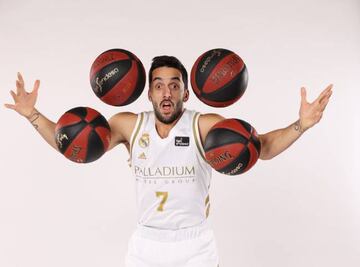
[(10, 106)]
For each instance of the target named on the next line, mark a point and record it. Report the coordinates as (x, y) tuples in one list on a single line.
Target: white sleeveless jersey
[(171, 175)]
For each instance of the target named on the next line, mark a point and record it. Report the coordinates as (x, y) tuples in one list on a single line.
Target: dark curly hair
[(171, 62)]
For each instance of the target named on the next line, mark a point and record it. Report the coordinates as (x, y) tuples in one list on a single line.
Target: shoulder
[(123, 119), (210, 118), (206, 121), (124, 115), (122, 125)]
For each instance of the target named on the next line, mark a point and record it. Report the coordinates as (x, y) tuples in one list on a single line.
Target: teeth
[(166, 105)]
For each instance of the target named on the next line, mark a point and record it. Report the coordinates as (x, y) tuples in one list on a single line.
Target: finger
[(322, 99), (20, 84), (328, 88), (10, 106), (14, 96), (20, 78), (324, 92), (36, 86), (325, 97), (324, 104), (19, 88), (303, 95)]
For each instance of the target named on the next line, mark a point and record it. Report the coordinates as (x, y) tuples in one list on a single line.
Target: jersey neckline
[(171, 130)]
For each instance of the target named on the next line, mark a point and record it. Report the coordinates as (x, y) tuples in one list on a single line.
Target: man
[(167, 159)]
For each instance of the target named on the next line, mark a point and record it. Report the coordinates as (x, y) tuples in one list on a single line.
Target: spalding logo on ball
[(232, 146), (219, 77), (117, 77), (82, 134)]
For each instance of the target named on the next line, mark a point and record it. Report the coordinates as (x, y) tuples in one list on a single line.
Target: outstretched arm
[(121, 124), (24, 104), (275, 142)]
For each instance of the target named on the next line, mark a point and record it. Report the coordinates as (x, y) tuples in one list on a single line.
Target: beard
[(178, 108)]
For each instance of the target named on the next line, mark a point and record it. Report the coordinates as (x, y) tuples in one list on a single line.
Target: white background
[(301, 208)]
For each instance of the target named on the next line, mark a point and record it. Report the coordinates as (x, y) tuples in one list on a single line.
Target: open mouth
[(166, 106)]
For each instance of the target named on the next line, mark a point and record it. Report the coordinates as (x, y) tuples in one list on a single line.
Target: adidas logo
[(142, 156)]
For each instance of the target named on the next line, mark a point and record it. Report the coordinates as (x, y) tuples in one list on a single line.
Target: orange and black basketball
[(117, 77), (82, 134), (232, 146), (219, 77)]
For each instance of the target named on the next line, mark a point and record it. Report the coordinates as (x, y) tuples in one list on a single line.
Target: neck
[(164, 129)]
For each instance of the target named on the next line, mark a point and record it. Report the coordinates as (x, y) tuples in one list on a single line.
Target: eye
[(174, 86), (158, 86)]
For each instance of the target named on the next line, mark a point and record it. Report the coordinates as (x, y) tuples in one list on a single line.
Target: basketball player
[(167, 160)]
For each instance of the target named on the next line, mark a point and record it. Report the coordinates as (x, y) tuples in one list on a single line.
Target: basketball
[(232, 146), (117, 77), (82, 134), (219, 77)]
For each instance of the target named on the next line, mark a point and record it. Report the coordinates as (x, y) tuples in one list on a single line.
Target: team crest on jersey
[(144, 140), (182, 140)]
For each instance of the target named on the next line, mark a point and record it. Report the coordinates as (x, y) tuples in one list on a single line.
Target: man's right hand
[(24, 102)]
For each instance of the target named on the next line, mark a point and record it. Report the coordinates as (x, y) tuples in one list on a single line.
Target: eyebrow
[(172, 78)]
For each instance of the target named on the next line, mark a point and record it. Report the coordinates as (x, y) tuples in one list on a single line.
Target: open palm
[(24, 102), (311, 113)]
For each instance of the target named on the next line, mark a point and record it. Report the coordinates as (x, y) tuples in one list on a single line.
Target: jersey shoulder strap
[(135, 132), (196, 133)]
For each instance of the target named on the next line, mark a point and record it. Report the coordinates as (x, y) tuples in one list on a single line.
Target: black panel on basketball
[(225, 135), (238, 165), (246, 125), (79, 111), (256, 143), (210, 66), (122, 67), (100, 121), (71, 132), (225, 93), (96, 149)]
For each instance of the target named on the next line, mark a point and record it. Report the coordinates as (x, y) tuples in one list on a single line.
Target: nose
[(167, 92)]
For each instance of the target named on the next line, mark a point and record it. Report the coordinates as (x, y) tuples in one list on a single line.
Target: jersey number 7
[(164, 196)]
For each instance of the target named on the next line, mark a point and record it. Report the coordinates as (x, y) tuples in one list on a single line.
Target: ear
[(186, 95), (149, 95)]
